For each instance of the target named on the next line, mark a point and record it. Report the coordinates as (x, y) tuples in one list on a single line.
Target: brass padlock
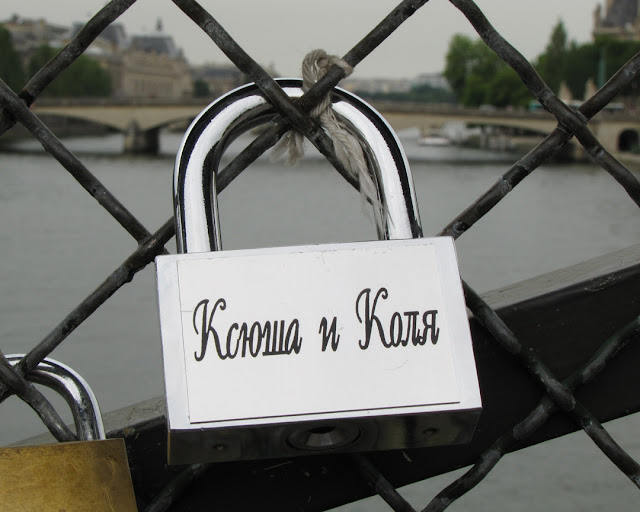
[(279, 352), (92, 474)]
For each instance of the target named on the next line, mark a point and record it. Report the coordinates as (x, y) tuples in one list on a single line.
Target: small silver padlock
[(289, 351), (73, 476)]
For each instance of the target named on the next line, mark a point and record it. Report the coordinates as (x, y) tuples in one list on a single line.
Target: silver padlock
[(262, 387), (91, 474)]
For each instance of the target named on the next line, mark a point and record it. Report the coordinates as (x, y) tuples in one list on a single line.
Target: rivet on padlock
[(74, 476), (195, 196), (269, 376)]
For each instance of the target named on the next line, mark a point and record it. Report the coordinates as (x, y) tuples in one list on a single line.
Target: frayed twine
[(346, 145)]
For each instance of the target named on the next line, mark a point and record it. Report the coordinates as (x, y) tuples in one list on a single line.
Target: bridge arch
[(140, 128), (117, 124), (628, 140), (61, 119)]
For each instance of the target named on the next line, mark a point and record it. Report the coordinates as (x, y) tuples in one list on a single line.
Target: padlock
[(91, 474), (223, 312)]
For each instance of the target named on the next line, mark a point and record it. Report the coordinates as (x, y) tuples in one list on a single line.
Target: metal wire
[(553, 143), (555, 389), (573, 123), (536, 419), (294, 115), (68, 160), (380, 485), (140, 258)]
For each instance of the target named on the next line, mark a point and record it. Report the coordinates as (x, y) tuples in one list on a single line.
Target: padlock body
[(74, 477), (297, 350)]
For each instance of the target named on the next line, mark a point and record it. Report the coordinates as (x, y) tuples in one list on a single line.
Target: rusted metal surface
[(589, 315), (73, 477)]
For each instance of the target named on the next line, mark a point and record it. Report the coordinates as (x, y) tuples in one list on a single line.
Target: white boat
[(434, 140)]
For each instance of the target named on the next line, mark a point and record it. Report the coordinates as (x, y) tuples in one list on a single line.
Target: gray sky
[(281, 32)]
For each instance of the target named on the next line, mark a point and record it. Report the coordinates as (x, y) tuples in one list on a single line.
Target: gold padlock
[(89, 475)]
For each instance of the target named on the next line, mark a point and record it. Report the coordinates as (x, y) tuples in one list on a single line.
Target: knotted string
[(346, 146)]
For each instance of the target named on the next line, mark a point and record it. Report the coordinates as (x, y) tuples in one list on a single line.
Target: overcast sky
[(281, 32)]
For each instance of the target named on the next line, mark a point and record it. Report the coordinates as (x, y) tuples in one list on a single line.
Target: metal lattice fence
[(295, 114)]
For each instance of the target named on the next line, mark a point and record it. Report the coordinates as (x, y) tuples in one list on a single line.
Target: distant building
[(152, 66), (113, 39), (376, 85), (435, 80), (27, 35), (141, 66), (219, 78), (620, 19)]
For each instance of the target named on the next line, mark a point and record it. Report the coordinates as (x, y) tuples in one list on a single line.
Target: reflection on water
[(58, 245)]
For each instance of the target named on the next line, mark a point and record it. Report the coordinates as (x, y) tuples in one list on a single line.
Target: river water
[(58, 245)]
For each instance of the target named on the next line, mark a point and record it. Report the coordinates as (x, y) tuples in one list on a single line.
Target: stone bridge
[(142, 120)]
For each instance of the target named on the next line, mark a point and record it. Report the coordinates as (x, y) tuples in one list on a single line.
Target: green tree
[(85, 77), (478, 76), (428, 94), (11, 70), (507, 89), (582, 65), (615, 54), (585, 61), (201, 88), (458, 62), (552, 64), (475, 92)]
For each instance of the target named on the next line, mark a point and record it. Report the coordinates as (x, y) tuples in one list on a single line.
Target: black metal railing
[(15, 108)]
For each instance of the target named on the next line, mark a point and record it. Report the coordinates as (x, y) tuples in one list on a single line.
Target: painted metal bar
[(606, 287), (556, 390)]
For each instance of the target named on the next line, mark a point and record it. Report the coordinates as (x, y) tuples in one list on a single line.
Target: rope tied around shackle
[(346, 145)]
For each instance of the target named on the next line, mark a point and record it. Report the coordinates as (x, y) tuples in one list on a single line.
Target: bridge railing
[(571, 124)]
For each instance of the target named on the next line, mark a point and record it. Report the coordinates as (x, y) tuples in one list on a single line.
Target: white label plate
[(400, 323)]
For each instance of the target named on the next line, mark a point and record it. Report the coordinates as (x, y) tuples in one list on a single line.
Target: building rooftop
[(156, 43), (621, 13), (113, 34)]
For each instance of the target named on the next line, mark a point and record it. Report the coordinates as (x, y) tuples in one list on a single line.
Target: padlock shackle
[(195, 194), (75, 391)]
